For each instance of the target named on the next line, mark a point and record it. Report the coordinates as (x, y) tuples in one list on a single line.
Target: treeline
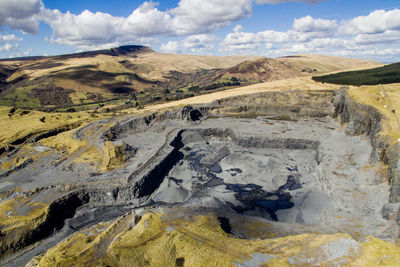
[(382, 75), (233, 82)]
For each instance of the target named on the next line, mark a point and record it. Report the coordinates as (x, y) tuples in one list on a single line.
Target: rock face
[(281, 157), (366, 120), (115, 155)]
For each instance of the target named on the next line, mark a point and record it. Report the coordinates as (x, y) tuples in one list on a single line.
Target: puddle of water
[(251, 196)]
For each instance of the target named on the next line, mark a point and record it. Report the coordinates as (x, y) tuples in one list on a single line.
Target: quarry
[(199, 133), (245, 171)]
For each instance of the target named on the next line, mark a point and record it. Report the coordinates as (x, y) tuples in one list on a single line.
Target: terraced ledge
[(238, 159)]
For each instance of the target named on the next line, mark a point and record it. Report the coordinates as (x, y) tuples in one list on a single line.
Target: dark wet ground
[(251, 196)]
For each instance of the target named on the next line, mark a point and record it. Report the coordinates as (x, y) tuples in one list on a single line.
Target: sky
[(368, 29)]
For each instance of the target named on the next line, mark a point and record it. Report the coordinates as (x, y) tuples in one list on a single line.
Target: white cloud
[(284, 1), (19, 53), (10, 38), (27, 52), (7, 47), (86, 28), (304, 29), (309, 24), (200, 16), (319, 45), (387, 54), (386, 37), (376, 34), (368, 36), (21, 14), (194, 44), (146, 21), (377, 21), (90, 30), (190, 17), (246, 41), (312, 35), (308, 28)]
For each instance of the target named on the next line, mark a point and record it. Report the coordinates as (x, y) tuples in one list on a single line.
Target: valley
[(274, 168)]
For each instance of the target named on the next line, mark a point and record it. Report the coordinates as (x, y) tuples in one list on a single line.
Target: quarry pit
[(316, 164)]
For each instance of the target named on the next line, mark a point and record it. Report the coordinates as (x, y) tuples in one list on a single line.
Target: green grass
[(382, 75), (21, 98)]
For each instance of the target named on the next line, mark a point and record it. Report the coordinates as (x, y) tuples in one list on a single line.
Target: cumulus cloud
[(194, 44), (16, 52), (83, 29), (102, 30), (199, 16), (21, 14), (304, 29), (8, 47), (373, 33), (377, 21), (315, 35), (196, 18), (10, 38), (146, 21), (246, 41), (284, 1), (274, 43), (377, 33), (386, 37), (309, 24), (191, 17), (320, 45), (308, 28)]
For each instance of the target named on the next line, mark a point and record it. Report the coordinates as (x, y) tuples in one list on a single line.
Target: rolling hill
[(133, 76), (382, 75)]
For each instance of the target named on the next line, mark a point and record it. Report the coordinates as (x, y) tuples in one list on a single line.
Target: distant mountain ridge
[(136, 75), (117, 51)]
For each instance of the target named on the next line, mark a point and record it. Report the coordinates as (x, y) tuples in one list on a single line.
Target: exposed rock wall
[(288, 105), (57, 212), (291, 105), (363, 119)]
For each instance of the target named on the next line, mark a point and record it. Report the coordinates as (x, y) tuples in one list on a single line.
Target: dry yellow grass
[(155, 65), (78, 151), (10, 218), (156, 62), (199, 241), (300, 83), (328, 63), (386, 99), (21, 125)]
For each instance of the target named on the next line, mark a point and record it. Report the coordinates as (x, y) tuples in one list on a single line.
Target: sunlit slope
[(382, 75), (99, 77), (139, 76), (323, 64), (162, 240)]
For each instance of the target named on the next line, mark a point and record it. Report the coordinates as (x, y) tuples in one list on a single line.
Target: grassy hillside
[(129, 76), (163, 240), (382, 75), (320, 64), (135, 76)]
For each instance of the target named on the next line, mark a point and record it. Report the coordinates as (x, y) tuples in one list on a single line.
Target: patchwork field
[(259, 164)]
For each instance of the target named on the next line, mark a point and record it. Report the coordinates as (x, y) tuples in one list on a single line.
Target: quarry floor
[(299, 176), (306, 172)]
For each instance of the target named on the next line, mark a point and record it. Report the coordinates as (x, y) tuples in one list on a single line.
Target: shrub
[(194, 88)]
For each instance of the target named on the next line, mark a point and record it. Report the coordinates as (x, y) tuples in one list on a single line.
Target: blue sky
[(364, 29)]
